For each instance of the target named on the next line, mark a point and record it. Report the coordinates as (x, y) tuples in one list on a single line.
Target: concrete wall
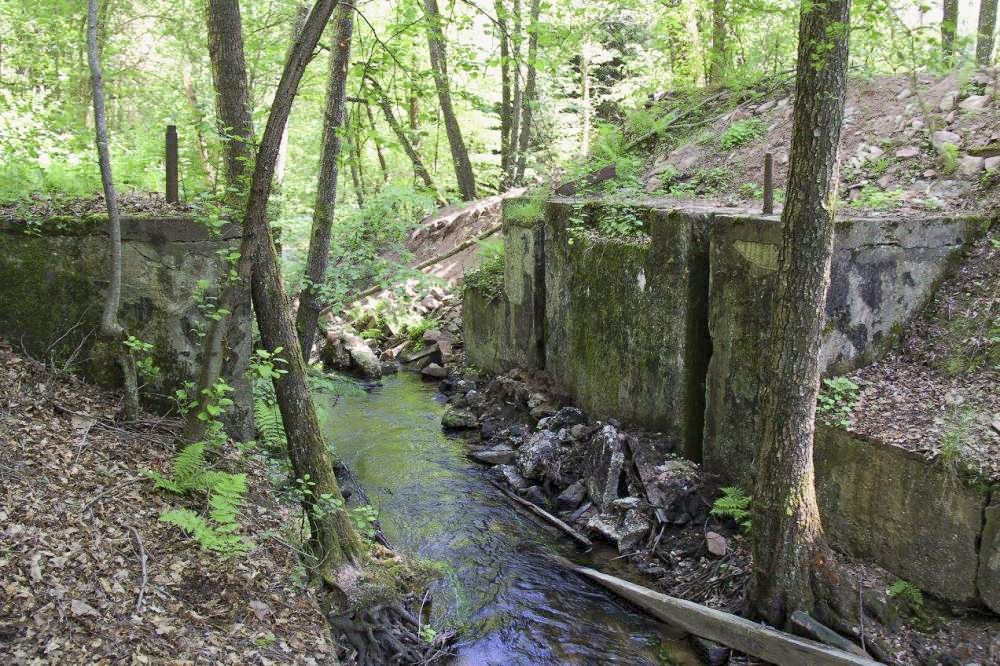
[(883, 271), (53, 278)]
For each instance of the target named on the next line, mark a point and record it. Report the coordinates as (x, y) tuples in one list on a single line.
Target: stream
[(512, 605)]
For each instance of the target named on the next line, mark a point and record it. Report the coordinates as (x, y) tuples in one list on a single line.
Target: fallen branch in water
[(548, 517)]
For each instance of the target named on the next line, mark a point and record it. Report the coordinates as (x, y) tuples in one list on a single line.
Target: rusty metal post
[(768, 183), (173, 195)]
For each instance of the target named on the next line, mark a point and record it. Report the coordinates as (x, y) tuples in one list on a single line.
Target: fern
[(217, 539), (734, 504)]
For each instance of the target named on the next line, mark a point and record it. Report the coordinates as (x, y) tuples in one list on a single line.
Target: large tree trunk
[(788, 546), (949, 28), (719, 55), (326, 188), (390, 117), (529, 94), (985, 32), (333, 539), (439, 64), (111, 329)]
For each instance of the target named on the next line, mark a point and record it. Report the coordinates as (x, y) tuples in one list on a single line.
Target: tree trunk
[(719, 55), (386, 105), (192, 99), (789, 552), (506, 108), (111, 329), (516, 100), (529, 94), (232, 97), (279, 169), (949, 29), (378, 145), (985, 32), (333, 539), (354, 160), (326, 188), (439, 64), (584, 102)]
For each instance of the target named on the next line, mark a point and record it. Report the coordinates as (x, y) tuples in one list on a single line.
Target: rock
[(566, 417), (489, 428), (989, 556), (971, 165), (580, 432), (500, 455), (717, 544), (363, 359), (624, 531), (570, 498), (543, 410), (907, 151), (948, 101), (434, 371), (535, 495), (518, 431), (992, 163), (626, 504), (536, 399), (676, 482), (389, 368), (536, 458), (607, 457), (512, 477), (975, 102), (766, 106), (459, 419), (584, 512), (710, 652), (944, 136)]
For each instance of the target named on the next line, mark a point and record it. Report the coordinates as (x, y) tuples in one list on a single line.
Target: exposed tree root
[(386, 634)]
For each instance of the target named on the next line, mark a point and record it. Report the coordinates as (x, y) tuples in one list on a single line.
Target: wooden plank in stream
[(548, 517), (731, 630)]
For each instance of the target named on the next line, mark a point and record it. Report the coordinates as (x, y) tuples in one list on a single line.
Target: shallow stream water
[(514, 606)]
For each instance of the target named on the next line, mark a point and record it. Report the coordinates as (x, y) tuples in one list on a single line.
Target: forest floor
[(40, 207), (88, 574)]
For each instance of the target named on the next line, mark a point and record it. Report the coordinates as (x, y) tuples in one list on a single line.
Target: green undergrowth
[(487, 276)]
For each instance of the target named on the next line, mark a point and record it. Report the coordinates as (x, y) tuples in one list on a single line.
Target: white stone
[(907, 151), (948, 101), (971, 165), (975, 102), (944, 136)]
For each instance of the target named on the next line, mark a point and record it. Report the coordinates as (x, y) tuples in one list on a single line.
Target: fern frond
[(189, 465), (162, 482)]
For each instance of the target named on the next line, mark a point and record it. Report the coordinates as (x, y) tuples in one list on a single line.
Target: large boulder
[(349, 353), (538, 455), (459, 419), (604, 467)]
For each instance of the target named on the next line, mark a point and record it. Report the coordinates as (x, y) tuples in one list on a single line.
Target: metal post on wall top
[(173, 195)]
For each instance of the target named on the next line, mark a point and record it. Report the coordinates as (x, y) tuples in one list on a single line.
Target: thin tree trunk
[(326, 188), (192, 99), (378, 144), (386, 105), (985, 32), (529, 94), (111, 328), (413, 104), (789, 551), (439, 65), (506, 108), (584, 102), (719, 55), (354, 162), (949, 29), (279, 169), (516, 100), (333, 538)]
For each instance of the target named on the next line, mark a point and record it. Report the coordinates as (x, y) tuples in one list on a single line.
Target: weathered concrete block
[(989, 555), (883, 271), (915, 518), (54, 283), (625, 319)]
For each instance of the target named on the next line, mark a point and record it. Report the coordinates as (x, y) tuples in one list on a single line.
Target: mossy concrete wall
[(53, 279), (624, 318), (989, 554), (504, 329), (915, 518), (883, 271)]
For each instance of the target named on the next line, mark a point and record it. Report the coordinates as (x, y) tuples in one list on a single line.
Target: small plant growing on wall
[(837, 400)]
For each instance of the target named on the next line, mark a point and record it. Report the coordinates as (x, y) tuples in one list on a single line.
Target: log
[(804, 622), (752, 638), (548, 517)]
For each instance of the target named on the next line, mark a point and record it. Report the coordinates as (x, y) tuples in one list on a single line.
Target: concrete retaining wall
[(54, 277)]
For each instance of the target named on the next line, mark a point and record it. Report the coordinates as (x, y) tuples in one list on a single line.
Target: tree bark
[(326, 189), (378, 145), (506, 107), (279, 169), (516, 99), (192, 99), (439, 65), (789, 552), (111, 328), (529, 94), (333, 539), (354, 150), (390, 117), (719, 55), (584, 102), (949, 28), (985, 32)]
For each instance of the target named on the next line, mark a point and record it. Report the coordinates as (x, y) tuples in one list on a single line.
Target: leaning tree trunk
[(788, 545), (111, 328), (439, 64), (985, 32), (949, 28), (390, 117), (326, 189), (378, 144), (719, 56), (333, 539), (529, 94)]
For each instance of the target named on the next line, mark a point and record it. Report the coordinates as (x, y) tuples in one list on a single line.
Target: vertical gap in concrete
[(699, 344), (539, 295)]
